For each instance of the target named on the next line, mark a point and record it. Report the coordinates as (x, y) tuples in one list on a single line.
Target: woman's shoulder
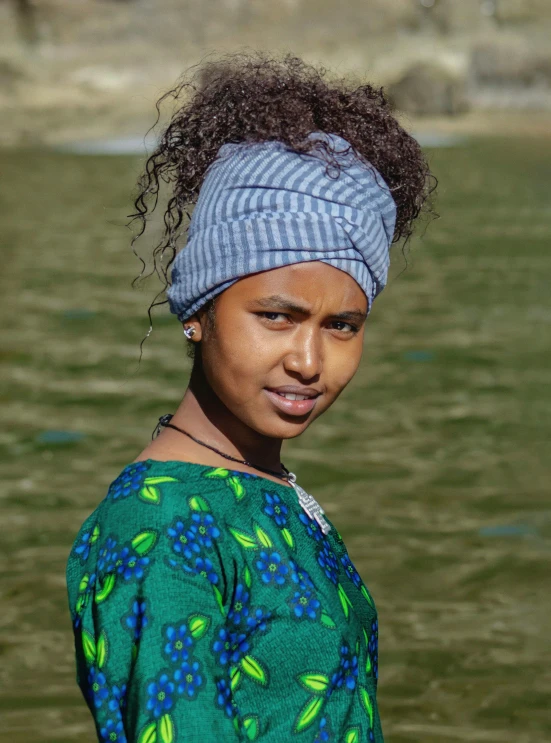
[(151, 506), (152, 495), (159, 491)]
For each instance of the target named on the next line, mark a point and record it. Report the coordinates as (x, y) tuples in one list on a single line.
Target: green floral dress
[(207, 606)]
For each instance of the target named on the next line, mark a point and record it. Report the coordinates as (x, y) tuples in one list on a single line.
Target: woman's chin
[(281, 426)]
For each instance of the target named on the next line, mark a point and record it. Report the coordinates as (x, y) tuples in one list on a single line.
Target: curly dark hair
[(255, 97)]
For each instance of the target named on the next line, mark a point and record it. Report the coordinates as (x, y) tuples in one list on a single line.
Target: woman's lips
[(291, 407)]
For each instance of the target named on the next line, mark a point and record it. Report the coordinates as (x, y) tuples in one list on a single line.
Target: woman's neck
[(202, 414)]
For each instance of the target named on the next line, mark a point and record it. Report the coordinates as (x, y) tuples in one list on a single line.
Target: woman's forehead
[(310, 284)]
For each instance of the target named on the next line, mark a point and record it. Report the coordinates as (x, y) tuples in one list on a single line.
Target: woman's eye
[(344, 326), (280, 318), (273, 316)]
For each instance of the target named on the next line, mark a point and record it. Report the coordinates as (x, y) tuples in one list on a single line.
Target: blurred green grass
[(443, 432)]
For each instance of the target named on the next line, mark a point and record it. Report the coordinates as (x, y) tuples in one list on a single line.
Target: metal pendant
[(309, 504)]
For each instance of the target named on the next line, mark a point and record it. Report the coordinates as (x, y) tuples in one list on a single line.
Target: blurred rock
[(10, 76), (429, 89), (510, 62), (519, 11)]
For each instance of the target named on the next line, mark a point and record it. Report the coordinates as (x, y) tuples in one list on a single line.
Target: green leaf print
[(235, 677), (316, 682), (107, 587), (308, 714), (196, 503), (159, 480), (144, 542), (254, 669), (326, 620), (263, 538), (166, 729), (102, 649), (236, 486), (245, 540), (149, 734), (351, 735), (95, 535), (368, 659), (198, 624), (81, 603), (250, 723), (219, 599), (345, 601), (150, 494), (367, 704), (288, 537), (366, 595), (218, 472), (88, 646), (247, 575), (83, 585)]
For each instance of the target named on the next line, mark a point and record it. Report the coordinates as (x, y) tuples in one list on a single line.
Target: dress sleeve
[(148, 613)]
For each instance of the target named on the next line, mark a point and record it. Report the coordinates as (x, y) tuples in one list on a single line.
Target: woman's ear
[(192, 328)]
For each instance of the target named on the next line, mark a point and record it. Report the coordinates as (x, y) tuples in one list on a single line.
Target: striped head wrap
[(262, 206)]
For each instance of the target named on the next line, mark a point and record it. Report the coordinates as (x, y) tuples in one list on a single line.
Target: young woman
[(211, 597)]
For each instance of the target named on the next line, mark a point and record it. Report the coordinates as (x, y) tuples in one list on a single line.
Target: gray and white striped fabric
[(263, 206)]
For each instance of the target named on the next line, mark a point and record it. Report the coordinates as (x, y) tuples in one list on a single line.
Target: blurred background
[(434, 463)]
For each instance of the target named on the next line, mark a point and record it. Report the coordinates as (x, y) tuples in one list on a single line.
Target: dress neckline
[(183, 463)]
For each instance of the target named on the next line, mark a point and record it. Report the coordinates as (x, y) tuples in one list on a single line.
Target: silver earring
[(189, 332)]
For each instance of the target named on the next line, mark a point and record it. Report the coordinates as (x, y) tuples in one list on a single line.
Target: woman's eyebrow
[(280, 302)]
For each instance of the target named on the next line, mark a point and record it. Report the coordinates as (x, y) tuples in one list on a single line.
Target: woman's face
[(295, 330)]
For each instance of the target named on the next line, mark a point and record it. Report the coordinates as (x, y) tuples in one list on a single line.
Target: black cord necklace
[(308, 503), (164, 421)]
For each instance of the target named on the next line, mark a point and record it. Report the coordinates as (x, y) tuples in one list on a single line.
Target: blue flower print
[(347, 672), (258, 619), (312, 527), (178, 642), (224, 698), (183, 542), (203, 529), (244, 475), (97, 685), (160, 696), (86, 541), (107, 556), (188, 678), (239, 609), (204, 567), (300, 576), (129, 481), (136, 620), (230, 646), (351, 570), (323, 735), (130, 565), (372, 647), (276, 509), (113, 732), (117, 701), (271, 568), (305, 604), (328, 561)]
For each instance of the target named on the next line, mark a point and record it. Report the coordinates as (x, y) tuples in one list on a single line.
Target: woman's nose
[(305, 355)]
